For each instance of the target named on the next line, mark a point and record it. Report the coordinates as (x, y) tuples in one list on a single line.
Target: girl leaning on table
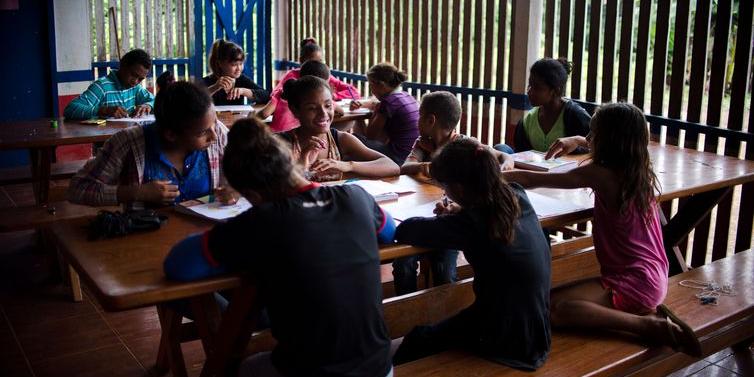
[(627, 233), (324, 301), (495, 225), (176, 158), (324, 152)]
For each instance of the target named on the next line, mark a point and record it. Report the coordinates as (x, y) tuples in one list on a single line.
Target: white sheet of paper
[(423, 210), (381, 190), (361, 110), (218, 212), (546, 206), (235, 108), (149, 118)]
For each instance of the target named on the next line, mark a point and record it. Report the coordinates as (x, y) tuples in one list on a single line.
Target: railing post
[(526, 30), (282, 36)]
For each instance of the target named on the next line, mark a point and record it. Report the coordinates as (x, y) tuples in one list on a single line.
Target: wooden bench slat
[(58, 170), (31, 217)]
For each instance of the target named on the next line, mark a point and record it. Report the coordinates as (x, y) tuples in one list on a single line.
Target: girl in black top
[(496, 227), (312, 251), (227, 84)]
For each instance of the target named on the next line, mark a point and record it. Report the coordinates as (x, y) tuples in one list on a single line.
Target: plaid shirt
[(107, 91), (120, 162)]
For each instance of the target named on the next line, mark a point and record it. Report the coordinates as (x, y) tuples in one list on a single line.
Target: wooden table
[(127, 272)]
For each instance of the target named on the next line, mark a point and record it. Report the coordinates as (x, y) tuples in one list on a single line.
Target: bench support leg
[(170, 356)]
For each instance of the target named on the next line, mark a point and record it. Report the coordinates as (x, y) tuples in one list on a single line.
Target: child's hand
[(237, 93), (226, 195), (112, 112), (311, 149), (329, 164), (563, 146), (508, 162), (444, 209), (339, 112), (163, 192), (355, 104), (227, 83), (141, 110), (425, 168)]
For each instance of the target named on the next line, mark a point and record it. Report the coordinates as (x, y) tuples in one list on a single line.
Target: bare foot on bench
[(672, 331)]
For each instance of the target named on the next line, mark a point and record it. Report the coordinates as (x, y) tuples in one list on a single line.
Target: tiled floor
[(43, 333)]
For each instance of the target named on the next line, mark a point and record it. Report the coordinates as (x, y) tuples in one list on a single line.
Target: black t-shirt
[(316, 259), (511, 282), (220, 98)]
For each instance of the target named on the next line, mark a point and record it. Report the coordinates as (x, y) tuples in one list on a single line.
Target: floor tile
[(741, 363), (111, 361), (715, 357), (713, 371), (64, 337), (691, 369), (12, 360), (43, 304)]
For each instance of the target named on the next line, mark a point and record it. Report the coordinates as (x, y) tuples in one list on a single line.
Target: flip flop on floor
[(688, 342)]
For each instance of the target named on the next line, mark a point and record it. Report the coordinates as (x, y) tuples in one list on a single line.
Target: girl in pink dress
[(627, 233)]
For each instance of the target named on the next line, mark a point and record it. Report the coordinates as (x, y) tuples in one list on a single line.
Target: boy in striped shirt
[(118, 94)]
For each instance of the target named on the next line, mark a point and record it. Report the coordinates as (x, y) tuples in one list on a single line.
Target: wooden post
[(525, 40), (282, 37)]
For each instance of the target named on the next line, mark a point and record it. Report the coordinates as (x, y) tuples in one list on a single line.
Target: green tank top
[(539, 141)]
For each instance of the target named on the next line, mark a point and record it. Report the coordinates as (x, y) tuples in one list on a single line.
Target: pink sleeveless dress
[(632, 257)]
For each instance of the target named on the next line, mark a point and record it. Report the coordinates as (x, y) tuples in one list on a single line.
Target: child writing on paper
[(439, 114), (227, 84), (176, 158), (496, 227), (322, 287), (393, 129), (325, 153), (311, 59), (627, 234), (117, 95), (553, 116)]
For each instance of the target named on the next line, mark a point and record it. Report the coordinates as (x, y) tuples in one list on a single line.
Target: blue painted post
[(268, 43), (196, 68), (261, 39)]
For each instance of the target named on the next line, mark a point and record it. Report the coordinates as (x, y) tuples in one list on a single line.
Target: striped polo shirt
[(401, 113), (107, 91)]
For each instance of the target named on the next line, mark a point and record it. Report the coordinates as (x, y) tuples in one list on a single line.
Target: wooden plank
[(380, 31), (660, 59), (123, 28), (722, 227), (549, 27), (488, 123), (426, 48), (209, 20), (415, 67), (396, 37), (594, 47), (611, 15), (642, 47), (363, 62), (405, 35), (626, 36), (443, 60), (579, 15), (497, 131), (741, 74), (476, 79), (169, 28), (111, 32), (718, 65), (454, 36), (180, 28), (137, 4), (99, 26), (464, 64), (698, 75), (565, 28), (678, 70), (388, 39), (745, 216)]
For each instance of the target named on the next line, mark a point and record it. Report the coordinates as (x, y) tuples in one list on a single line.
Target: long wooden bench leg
[(170, 356), (207, 319), (75, 282), (68, 273)]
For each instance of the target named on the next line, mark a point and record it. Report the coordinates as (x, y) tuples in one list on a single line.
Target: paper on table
[(423, 210), (149, 118), (215, 210), (546, 206), (361, 110), (381, 190), (235, 108)]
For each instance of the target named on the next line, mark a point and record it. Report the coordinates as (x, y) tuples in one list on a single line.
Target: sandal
[(688, 343)]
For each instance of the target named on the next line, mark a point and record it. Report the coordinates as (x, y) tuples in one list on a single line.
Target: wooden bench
[(58, 170), (583, 352)]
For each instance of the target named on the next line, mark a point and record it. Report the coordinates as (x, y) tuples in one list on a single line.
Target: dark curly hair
[(179, 104), (553, 72)]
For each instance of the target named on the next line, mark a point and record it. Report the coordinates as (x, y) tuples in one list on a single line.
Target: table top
[(127, 272)]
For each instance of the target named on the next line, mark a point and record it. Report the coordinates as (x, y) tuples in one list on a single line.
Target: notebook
[(534, 160), (215, 211), (234, 108), (149, 118)]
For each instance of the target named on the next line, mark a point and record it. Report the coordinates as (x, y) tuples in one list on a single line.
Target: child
[(553, 116), (282, 119), (326, 153), (164, 80), (439, 114), (322, 287), (627, 234), (117, 95), (496, 227), (393, 128), (174, 159), (227, 84)]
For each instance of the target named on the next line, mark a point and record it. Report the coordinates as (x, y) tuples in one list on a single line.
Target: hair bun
[(568, 66), (288, 88)]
